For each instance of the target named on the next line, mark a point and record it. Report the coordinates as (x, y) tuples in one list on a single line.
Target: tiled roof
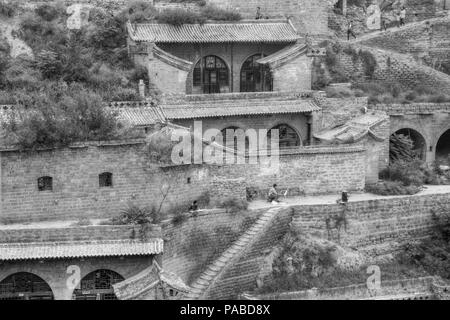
[(141, 116), (228, 108), (55, 250), (354, 130), (214, 32), (146, 280)]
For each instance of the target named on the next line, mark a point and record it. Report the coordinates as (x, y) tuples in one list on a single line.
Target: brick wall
[(76, 192), (409, 287), (189, 247), (54, 271), (307, 171), (427, 42), (386, 223), (234, 56), (293, 76), (396, 68), (91, 233)]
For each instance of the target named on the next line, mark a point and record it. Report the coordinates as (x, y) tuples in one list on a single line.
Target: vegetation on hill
[(331, 69)]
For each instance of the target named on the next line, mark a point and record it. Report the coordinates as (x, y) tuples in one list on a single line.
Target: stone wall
[(309, 16), (395, 68), (377, 226), (417, 288), (190, 246), (427, 41), (87, 233)]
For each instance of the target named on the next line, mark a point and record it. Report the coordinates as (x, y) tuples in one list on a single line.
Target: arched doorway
[(255, 77), (97, 285), (25, 286), (288, 137), (211, 75), (443, 149), (418, 147)]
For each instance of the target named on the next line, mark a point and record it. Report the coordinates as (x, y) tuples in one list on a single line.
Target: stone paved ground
[(331, 198)]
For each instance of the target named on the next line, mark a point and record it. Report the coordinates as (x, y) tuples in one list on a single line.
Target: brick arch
[(438, 138), (421, 135)]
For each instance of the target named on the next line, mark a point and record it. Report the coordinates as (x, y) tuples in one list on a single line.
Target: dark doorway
[(25, 286), (443, 149), (288, 137)]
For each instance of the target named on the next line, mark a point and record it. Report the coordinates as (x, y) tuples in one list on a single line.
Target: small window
[(189, 180), (105, 179), (45, 184)]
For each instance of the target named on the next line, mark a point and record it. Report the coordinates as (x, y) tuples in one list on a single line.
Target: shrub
[(178, 17), (234, 205), (49, 12), (392, 188), (179, 218), (406, 172), (135, 215), (60, 115), (8, 8), (213, 13), (369, 62), (140, 12)]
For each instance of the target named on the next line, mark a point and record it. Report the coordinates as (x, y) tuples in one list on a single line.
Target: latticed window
[(97, 285), (211, 74), (45, 184), (288, 137), (25, 286), (105, 179)]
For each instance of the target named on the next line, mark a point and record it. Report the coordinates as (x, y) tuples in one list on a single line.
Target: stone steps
[(213, 271)]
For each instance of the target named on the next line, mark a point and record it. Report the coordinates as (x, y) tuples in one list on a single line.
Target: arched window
[(235, 134), (288, 137), (45, 183), (25, 286), (97, 285), (211, 76), (105, 179), (255, 77)]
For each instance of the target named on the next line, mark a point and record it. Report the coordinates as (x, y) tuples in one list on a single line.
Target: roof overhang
[(244, 31), (80, 249)]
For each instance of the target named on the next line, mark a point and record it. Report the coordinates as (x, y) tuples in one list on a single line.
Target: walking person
[(383, 22), (397, 18), (350, 30), (402, 16)]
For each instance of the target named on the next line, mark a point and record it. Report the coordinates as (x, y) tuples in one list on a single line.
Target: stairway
[(232, 254)]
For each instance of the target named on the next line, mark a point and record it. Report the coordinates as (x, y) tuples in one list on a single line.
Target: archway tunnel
[(443, 149), (407, 144)]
